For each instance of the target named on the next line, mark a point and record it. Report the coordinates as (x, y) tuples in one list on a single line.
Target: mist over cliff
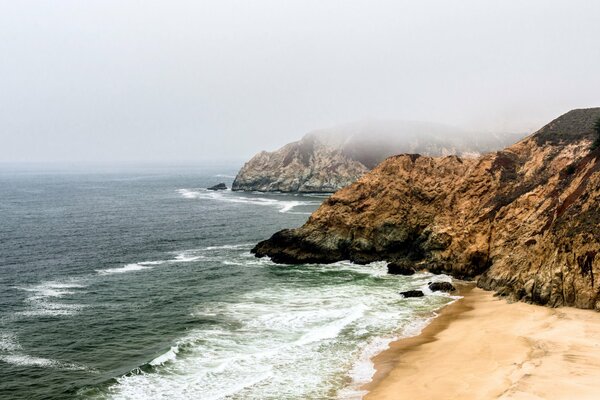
[(522, 221), (326, 160)]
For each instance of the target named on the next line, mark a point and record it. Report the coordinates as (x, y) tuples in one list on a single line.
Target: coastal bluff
[(326, 160), (523, 221)]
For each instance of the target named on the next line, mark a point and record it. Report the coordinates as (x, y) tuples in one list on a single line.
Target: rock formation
[(403, 267), (524, 221), (219, 186), (412, 293), (305, 166), (327, 160), (441, 287)]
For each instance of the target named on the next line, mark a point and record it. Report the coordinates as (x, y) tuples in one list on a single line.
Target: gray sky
[(195, 80)]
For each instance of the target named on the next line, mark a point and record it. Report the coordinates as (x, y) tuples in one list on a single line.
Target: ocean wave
[(180, 257), (126, 268), (320, 324), (9, 342), (43, 299), (169, 356), (284, 206), (24, 360), (363, 369), (52, 289), (11, 352), (292, 339), (186, 258), (229, 246), (333, 329)]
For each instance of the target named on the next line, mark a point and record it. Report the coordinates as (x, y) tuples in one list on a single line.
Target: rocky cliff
[(327, 160), (524, 221)]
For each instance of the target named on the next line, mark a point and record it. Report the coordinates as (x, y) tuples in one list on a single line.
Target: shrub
[(570, 170)]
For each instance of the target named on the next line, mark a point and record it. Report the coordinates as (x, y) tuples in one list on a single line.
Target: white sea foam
[(169, 356), (25, 360), (9, 342), (11, 352), (186, 258), (43, 300), (333, 329), (29, 361), (52, 289), (182, 257), (230, 246), (284, 206), (291, 340), (188, 194), (126, 268), (146, 263), (363, 369)]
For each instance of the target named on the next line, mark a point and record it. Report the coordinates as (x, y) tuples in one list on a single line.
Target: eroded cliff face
[(304, 166), (327, 160), (525, 221)]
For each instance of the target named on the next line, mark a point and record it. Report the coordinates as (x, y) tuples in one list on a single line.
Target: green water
[(137, 283)]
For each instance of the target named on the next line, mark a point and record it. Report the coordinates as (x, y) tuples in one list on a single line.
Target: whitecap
[(169, 356), (11, 352), (52, 289), (25, 360), (333, 329), (126, 268), (363, 369), (229, 246), (43, 298), (290, 340), (284, 206), (8, 342), (188, 194), (183, 257), (225, 176)]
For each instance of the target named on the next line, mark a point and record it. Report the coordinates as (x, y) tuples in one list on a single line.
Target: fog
[(178, 81)]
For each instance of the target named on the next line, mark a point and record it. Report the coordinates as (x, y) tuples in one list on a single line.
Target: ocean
[(135, 282)]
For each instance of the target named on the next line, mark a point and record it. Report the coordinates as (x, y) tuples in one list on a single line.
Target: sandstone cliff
[(329, 159), (525, 221)]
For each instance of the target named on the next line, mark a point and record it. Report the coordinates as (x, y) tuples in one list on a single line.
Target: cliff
[(329, 159), (524, 221)]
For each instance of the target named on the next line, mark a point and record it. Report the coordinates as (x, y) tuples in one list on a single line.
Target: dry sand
[(482, 347)]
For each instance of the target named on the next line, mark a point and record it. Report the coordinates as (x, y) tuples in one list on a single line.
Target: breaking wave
[(11, 352), (283, 206), (291, 340)]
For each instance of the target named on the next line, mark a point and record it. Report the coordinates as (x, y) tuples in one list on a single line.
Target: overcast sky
[(198, 80)]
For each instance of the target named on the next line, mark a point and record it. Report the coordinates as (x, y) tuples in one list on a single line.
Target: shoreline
[(482, 347)]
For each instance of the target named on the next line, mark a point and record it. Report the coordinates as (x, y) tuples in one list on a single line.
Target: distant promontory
[(326, 160)]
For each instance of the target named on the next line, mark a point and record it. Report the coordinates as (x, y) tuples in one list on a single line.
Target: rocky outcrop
[(524, 221), (219, 186), (305, 166), (403, 267), (327, 160), (441, 287), (412, 293)]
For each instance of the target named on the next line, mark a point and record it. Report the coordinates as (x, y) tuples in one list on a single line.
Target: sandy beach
[(482, 347)]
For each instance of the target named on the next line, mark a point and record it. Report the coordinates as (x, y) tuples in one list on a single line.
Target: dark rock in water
[(220, 186), (441, 287), (412, 293), (402, 267)]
